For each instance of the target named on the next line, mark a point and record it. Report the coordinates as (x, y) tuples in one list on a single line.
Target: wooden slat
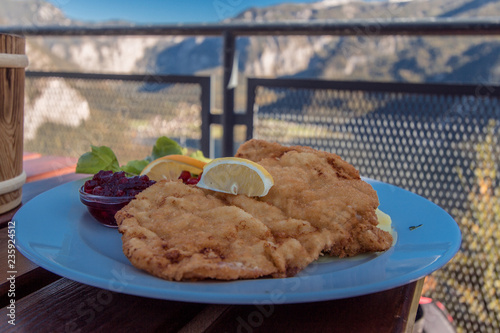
[(205, 318), (415, 300), (380, 312), (68, 306)]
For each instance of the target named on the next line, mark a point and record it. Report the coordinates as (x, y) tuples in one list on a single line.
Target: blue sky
[(161, 11)]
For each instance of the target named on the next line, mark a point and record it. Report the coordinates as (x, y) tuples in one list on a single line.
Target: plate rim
[(186, 295)]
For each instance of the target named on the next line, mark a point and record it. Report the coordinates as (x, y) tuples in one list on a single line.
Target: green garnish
[(99, 158), (103, 158), (415, 227)]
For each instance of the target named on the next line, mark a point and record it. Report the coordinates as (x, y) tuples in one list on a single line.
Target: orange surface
[(39, 167)]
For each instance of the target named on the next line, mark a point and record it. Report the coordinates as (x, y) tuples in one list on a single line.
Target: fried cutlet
[(181, 232), (318, 205), (321, 188)]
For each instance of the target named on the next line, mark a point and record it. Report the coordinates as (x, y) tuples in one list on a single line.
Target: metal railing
[(230, 31), (203, 81)]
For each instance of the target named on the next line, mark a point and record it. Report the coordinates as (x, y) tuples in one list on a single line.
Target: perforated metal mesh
[(65, 116), (444, 148)]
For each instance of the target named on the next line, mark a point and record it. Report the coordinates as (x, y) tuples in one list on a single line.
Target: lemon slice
[(236, 176), (171, 166)]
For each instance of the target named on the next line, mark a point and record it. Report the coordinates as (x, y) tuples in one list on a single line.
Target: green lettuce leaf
[(135, 167), (165, 146), (99, 158), (103, 158)]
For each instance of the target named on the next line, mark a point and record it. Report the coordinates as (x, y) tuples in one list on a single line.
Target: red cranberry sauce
[(116, 184)]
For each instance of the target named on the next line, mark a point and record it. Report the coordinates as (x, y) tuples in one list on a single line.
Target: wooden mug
[(12, 66)]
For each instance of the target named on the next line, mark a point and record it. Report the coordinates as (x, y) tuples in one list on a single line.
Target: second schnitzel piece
[(324, 190)]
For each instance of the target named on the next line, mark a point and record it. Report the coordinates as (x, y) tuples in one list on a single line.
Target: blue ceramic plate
[(55, 231)]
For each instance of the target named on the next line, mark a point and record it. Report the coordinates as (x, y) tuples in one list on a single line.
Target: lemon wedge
[(171, 166), (236, 176)]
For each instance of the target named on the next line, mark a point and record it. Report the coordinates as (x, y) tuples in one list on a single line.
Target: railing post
[(206, 94), (228, 95), (251, 87)]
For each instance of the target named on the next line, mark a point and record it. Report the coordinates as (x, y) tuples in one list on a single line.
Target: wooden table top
[(46, 302)]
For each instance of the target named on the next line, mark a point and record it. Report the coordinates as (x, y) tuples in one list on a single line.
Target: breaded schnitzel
[(326, 191), (180, 232), (318, 204)]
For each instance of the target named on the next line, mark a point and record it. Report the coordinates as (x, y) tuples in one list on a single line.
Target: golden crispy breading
[(318, 204), (326, 191), (181, 232)]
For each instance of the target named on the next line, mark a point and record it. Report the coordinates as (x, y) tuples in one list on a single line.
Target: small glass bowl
[(102, 208)]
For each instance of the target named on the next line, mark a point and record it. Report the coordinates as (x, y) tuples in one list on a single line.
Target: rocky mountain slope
[(392, 58), (388, 58), (87, 54)]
